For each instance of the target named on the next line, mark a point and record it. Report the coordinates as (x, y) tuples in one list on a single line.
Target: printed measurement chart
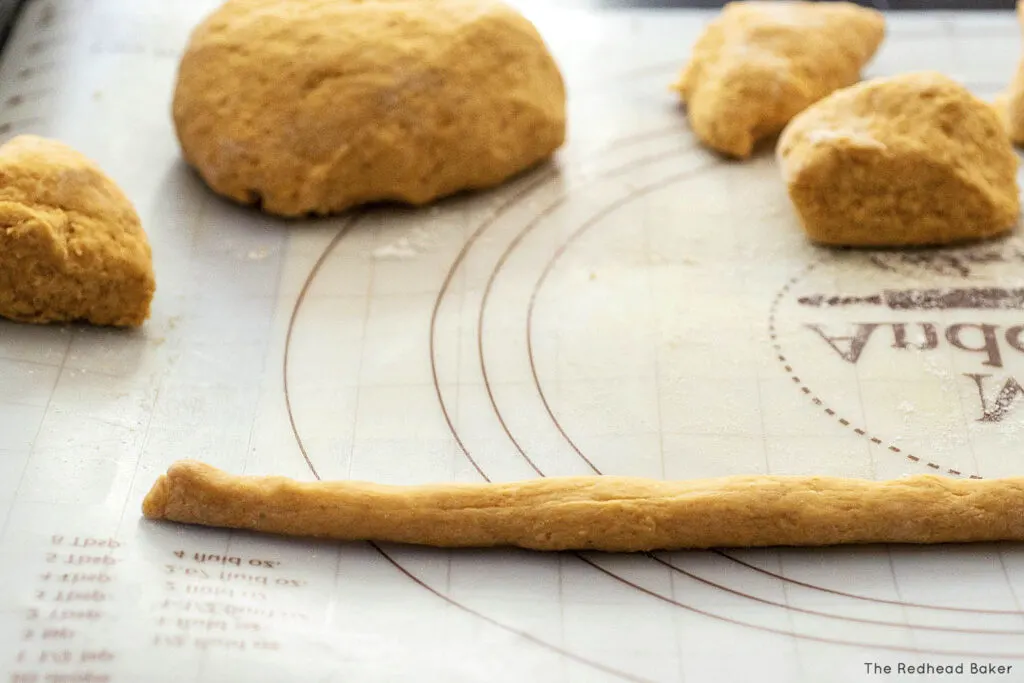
[(637, 307)]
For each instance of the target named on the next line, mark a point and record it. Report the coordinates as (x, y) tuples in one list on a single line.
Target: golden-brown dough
[(760, 63), (616, 514), (911, 160), (71, 245), (1001, 105), (313, 106), (1010, 104)]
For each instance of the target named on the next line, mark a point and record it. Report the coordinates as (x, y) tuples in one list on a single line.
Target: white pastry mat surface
[(640, 307)]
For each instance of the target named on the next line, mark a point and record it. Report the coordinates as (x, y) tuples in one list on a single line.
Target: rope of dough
[(617, 514)]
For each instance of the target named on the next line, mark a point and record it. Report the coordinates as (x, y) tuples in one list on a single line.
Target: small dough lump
[(761, 63), (1010, 104), (71, 245), (911, 160), (314, 106)]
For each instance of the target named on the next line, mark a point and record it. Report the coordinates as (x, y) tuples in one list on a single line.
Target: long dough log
[(617, 514)]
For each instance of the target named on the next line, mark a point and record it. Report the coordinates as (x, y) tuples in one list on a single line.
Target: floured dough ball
[(760, 63), (314, 106), (71, 246), (910, 160)]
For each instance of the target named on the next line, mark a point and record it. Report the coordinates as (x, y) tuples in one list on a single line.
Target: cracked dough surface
[(71, 245), (314, 106), (616, 514)]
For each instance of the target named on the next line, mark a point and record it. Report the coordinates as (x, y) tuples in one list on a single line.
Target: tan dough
[(760, 63), (71, 245), (310, 106), (910, 160), (616, 514), (1011, 103)]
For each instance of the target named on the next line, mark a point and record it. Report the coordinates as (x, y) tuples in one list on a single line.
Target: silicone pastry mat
[(640, 307)]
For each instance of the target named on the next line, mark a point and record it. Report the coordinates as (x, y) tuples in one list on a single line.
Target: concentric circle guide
[(533, 184)]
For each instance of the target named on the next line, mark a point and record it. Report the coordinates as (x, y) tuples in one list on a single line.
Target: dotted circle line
[(817, 400)]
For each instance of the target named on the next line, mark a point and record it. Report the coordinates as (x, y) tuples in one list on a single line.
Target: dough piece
[(1010, 106), (761, 63), (615, 514), (910, 160), (314, 106), (1001, 104), (1011, 103), (71, 245)]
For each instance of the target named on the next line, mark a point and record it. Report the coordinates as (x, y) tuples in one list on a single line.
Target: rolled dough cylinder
[(616, 514)]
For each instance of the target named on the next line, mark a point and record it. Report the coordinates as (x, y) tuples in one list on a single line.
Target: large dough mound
[(71, 246), (910, 160), (760, 63), (313, 106)]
